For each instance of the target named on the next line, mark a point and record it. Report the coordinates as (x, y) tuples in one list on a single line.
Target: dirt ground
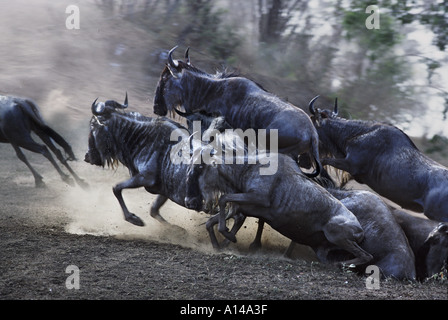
[(45, 231)]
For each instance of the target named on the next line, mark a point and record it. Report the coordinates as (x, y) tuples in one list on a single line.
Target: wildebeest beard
[(101, 149), (116, 139)]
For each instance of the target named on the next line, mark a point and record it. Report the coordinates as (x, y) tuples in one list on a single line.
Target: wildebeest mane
[(131, 130)]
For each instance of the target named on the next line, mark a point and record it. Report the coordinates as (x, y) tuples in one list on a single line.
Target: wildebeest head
[(433, 254), (169, 82), (318, 115), (322, 120), (100, 149)]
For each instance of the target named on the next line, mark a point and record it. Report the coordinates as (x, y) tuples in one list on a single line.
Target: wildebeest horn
[(182, 114), (335, 110), (94, 108), (171, 61), (125, 104), (311, 105), (187, 58)]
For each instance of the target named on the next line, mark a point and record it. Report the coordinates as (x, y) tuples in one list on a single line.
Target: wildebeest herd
[(356, 228)]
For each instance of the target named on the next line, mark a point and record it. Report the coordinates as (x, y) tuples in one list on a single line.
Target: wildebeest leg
[(240, 198), (209, 226), (348, 241), (58, 154), (238, 223), (157, 204), (290, 249), (256, 244), (32, 146), (341, 164), (137, 181), (38, 179)]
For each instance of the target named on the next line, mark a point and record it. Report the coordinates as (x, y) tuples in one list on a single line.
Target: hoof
[(68, 180), (135, 220), (84, 185), (40, 184), (254, 247), (229, 236)]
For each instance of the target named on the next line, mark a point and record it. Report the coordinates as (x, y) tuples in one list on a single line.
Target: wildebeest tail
[(31, 109), (318, 169), (315, 156)]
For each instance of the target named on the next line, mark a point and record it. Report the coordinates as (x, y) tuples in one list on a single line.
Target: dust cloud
[(63, 71)]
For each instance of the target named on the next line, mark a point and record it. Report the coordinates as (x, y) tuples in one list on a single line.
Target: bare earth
[(44, 231)]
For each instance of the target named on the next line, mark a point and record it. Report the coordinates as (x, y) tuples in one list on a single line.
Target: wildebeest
[(243, 103), (288, 201), (144, 146), (384, 239), (429, 241), (384, 158), (18, 118), (135, 141)]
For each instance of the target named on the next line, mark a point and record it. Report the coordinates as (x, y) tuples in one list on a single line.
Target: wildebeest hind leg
[(239, 198), (31, 145), (137, 181), (237, 224), (361, 256), (157, 204), (256, 244), (58, 154), (38, 179)]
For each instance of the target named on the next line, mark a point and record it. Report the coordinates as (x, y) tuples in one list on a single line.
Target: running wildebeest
[(384, 158), (243, 103), (144, 146), (287, 200), (429, 241), (18, 118)]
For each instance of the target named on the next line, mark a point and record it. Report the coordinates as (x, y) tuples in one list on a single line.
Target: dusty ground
[(44, 231)]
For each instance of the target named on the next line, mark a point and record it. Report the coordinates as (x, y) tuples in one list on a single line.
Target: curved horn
[(94, 111), (187, 58), (311, 105), (182, 114), (171, 61), (125, 104), (335, 110), (115, 105)]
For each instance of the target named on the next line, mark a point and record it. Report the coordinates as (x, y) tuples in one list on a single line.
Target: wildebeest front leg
[(238, 198), (137, 181)]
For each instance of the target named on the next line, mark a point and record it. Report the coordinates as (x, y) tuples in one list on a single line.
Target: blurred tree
[(431, 12), (205, 29), (314, 47)]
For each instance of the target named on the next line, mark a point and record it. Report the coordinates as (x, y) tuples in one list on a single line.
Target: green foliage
[(376, 41), (434, 15), (437, 144)]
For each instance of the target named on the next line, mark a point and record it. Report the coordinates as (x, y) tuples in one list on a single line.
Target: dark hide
[(429, 241), (384, 238), (18, 117), (242, 102), (384, 158), (288, 201), (143, 145)]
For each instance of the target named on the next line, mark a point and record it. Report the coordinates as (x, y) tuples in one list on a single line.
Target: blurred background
[(294, 48)]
